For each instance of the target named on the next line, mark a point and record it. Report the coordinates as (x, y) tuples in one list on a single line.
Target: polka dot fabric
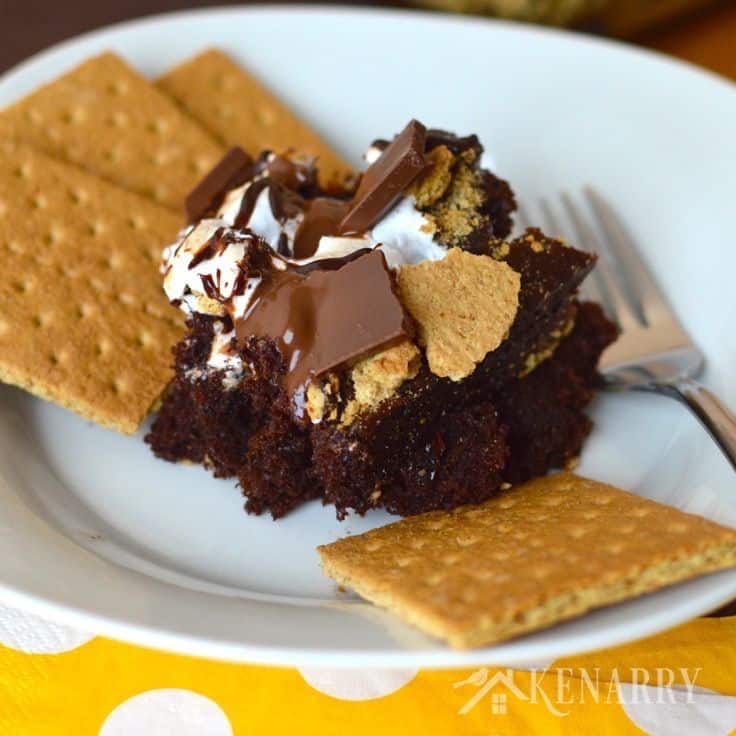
[(54, 680)]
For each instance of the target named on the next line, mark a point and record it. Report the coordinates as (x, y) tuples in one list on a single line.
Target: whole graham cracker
[(106, 118), (84, 320), (535, 555), (238, 110)]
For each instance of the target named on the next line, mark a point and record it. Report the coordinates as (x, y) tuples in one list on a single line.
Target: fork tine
[(589, 289), (612, 296), (551, 223), (647, 298), (522, 217)]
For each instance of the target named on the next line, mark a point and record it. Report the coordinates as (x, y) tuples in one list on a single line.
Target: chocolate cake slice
[(381, 346)]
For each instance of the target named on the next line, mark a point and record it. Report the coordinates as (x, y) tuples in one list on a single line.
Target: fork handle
[(715, 416)]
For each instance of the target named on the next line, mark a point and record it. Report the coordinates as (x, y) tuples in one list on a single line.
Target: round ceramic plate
[(98, 533)]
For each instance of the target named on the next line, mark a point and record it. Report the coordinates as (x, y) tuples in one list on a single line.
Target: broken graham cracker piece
[(85, 322), (238, 110), (464, 306), (432, 184), (378, 377), (535, 555), (106, 118)]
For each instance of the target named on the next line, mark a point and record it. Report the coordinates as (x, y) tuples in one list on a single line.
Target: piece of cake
[(382, 347)]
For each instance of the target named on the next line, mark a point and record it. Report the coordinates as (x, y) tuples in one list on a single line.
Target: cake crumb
[(464, 306), (500, 250)]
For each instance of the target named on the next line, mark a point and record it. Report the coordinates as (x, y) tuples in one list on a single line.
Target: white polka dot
[(703, 713), (27, 633), (167, 712), (355, 684)]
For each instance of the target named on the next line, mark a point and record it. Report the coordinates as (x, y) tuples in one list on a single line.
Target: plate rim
[(441, 657), (435, 16)]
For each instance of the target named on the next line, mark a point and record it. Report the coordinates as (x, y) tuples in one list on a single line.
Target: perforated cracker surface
[(84, 321), (546, 551), (106, 118), (235, 107), (464, 305)]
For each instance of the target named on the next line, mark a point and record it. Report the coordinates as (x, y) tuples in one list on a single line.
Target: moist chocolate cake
[(384, 345)]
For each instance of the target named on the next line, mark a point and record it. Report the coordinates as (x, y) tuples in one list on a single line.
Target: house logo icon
[(500, 685)]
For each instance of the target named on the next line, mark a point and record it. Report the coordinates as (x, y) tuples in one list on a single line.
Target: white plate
[(96, 532)]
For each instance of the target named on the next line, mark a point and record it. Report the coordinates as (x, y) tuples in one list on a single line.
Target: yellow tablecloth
[(682, 682)]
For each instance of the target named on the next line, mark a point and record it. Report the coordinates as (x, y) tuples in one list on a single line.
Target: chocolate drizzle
[(209, 249), (248, 202), (285, 203), (288, 185), (282, 247), (326, 315), (289, 174), (320, 215), (210, 286)]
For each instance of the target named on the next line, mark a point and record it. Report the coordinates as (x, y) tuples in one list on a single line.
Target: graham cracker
[(464, 305), (85, 322), (106, 118), (239, 110), (532, 556)]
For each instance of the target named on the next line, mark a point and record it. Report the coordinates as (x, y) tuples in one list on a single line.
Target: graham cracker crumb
[(379, 376), (479, 581), (323, 398), (433, 183), (531, 237), (456, 213), (464, 306), (316, 402)]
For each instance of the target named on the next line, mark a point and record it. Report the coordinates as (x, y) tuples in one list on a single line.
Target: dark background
[(27, 27), (707, 37)]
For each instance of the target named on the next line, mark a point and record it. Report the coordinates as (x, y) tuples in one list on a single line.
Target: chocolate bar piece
[(386, 179), (231, 171)]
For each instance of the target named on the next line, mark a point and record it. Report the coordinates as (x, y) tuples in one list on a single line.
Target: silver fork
[(654, 352)]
